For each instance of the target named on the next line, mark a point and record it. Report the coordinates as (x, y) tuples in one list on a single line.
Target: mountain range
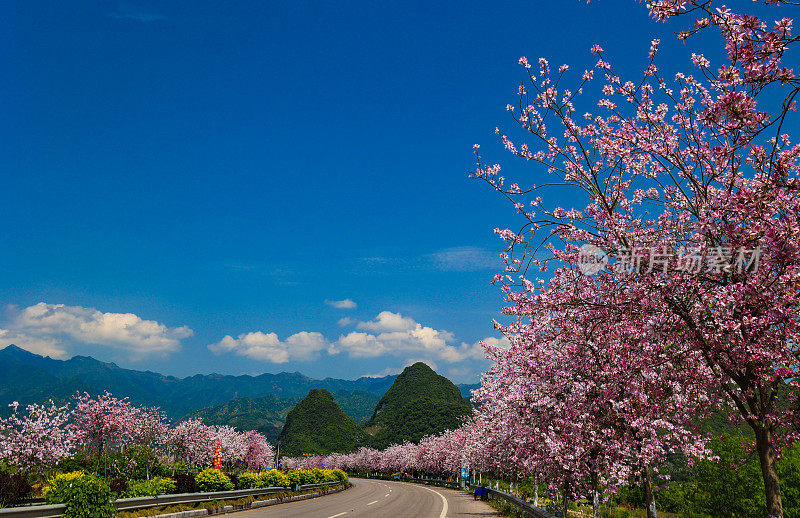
[(248, 402), (30, 378)]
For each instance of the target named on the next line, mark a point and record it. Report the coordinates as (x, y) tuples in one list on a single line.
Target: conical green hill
[(419, 403), (317, 425)]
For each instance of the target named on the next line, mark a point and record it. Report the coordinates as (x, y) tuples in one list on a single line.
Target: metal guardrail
[(35, 511), (435, 482), (143, 502), (517, 502)]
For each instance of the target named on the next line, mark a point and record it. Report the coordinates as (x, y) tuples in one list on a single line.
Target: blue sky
[(181, 180)]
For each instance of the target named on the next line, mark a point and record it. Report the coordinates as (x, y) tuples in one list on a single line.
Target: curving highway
[(382, 498)]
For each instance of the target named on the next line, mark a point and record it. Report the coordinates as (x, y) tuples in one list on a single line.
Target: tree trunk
[(566, 488), (766, 456), (595, 496), (536, 491), (595, 503), (649, 500), (99, 454)]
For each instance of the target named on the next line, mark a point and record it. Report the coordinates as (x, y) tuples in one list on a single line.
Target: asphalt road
[(381, 498)]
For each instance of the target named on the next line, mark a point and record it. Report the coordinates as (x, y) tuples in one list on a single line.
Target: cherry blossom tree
[(260, 453), (193, 442), (38, 439), (690, 206), (103, 422)]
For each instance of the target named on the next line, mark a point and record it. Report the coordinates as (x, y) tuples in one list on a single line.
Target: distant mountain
[(419, 403), (318, 425), (358, 404), (30, 378), (267, 414)]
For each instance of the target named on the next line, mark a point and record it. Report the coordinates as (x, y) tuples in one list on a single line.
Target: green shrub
[(294, 476), (339, 475), (153, 487), (211, 479), (316, 476), (273, 478), (248, 481), (138, 463), (83, 461), (86, 496)]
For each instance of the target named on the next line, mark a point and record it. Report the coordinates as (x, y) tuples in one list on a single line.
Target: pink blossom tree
[(260, 453), (36, 441), (192, 442), (103, 422), (690, 186)]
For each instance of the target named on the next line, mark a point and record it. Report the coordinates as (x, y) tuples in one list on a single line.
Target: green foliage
[(339, 475), (273, 478), (152, 487), (81, 461), (732, 486), (86, 496), (419, 403), (211, 479), (318, 425), (248, 481), (137, 462), (789, 473), (729, 487), (316, 476), (294, 477)]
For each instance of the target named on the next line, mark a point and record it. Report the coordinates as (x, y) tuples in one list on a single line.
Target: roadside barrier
[(144, 502), (522, 505)]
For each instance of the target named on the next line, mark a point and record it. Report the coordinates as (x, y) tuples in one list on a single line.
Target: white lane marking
[(444, 502), (340, 514), (375, 502)]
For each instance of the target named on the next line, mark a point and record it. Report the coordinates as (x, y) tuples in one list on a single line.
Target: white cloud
[(341, 304), (392, 334), (502, 343), (388, 371), (388, 321), (302, 346), (358, 345), (41, 346), (344, 322), (47, 326), (465, 259)]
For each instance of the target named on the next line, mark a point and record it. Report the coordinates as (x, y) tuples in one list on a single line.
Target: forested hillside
[(318, 425), (419, 403)]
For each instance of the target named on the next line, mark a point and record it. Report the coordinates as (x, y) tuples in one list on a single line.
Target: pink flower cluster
[(607, 374), (38, 439)]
